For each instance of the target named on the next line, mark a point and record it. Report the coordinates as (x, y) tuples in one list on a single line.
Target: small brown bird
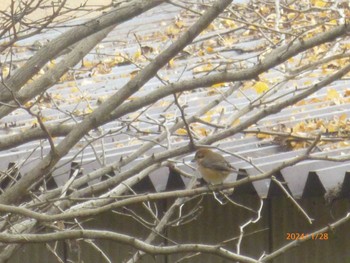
[(213, 166)]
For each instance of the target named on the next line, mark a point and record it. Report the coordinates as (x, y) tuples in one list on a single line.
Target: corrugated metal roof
[(68, 101)]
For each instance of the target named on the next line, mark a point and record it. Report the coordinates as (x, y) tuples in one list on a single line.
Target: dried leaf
[(137, 54), (218, 85), (319, 3), (181, 131), (332, 94), (260, 87), (74, 89)]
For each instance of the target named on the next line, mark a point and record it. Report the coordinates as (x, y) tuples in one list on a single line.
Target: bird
[(213, 167)]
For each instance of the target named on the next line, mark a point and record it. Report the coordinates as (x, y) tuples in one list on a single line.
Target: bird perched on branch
[(213, 166)]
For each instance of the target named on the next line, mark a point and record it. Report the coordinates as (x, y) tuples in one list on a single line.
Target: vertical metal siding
[(218, 223)]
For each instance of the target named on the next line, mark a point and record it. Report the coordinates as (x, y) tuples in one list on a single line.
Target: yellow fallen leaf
[(333, 22), (137, 54), (343, 144), (265, 10), (332, 127), (201, 53), (209, 49), (218, 85), (260, 87), (300, 103), (205, 68), (201, 131), (44, 119), (263, 136), (343, 117), (236, 122), (211, 27), (347, 93), (320, 3), (52, 63), (172, 30), (229, 23), (171, 63), (315, 100), (179, 23), (134, 73), (87, 64), (119, 58), (88, 110), (181, 131), (74, 89), (228, 41), (207, 117), (28, 104), (5, 71), (332, 94), (291, 16)]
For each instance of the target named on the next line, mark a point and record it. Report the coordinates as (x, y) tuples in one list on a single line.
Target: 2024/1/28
[(296, 236)]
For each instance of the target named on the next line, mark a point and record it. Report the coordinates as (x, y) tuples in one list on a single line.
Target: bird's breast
[(213, 176)]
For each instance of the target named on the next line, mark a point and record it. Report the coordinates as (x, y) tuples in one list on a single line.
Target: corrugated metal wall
[(286, 219), (217, 223)]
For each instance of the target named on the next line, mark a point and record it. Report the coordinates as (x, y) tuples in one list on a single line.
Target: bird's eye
[(199, 156)]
